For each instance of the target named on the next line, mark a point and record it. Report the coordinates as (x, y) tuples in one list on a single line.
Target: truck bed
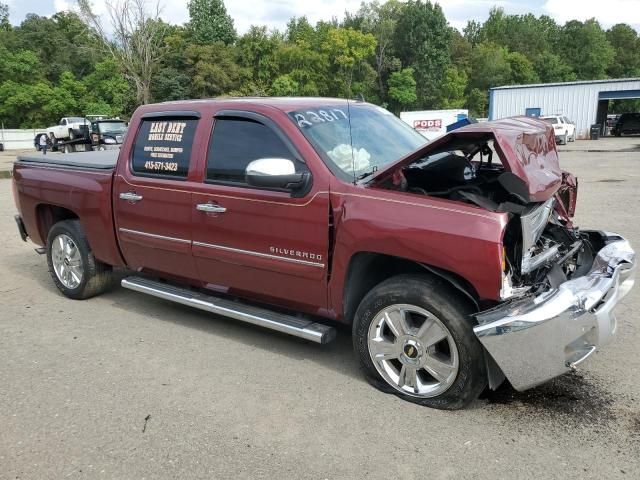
[(100, 160)]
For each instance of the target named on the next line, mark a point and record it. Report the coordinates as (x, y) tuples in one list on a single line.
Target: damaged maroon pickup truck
[(456, 263)]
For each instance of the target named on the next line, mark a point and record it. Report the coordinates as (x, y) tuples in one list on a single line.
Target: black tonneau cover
[(100, 160)]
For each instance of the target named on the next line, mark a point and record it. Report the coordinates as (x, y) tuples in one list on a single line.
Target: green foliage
[(490, 66), (551, 68), (209, 22), (626, 46), (422, 41), (397, 53), (526, 34), (452, 89), (402, 88), (21, 66), (586, 48), (477, 103), (4, 17), (522, 71), (285, 86), (346, 49), (257, 52), (213, 70)]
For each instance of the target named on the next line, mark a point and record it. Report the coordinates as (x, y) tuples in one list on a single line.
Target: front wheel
[(414, 338), (72, 266)]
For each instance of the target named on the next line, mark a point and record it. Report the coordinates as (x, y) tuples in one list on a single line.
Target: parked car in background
[(628, 123), (563, 128), (612, 119), (68, 128), (455, 262)]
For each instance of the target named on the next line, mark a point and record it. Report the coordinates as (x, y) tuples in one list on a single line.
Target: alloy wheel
[(413, 350), (67, 261)]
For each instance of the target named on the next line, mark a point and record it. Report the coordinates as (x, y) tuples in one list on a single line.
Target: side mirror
[(277, 173)]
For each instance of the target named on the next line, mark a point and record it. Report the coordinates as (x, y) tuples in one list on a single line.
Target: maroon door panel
[(154, 230), (265, 244), (152, 193)]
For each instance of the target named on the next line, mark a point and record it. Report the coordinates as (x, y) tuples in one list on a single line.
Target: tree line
[(402, 55)]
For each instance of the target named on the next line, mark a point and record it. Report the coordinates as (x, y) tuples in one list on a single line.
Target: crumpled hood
[(525, 146)]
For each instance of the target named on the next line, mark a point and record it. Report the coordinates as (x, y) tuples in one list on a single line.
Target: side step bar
[(298, 327)]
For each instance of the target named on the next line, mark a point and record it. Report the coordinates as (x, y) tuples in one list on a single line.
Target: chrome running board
[(298, 327)]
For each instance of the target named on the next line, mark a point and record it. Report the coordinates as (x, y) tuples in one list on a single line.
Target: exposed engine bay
[(542, 248)]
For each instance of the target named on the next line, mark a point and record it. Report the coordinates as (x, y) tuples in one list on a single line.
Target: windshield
[(379, 137), (112, 127)]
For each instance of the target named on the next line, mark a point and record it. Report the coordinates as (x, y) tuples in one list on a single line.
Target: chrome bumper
[(538, 338)]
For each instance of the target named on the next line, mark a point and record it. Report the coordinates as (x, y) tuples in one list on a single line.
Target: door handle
[(130, 197), (210, 208)]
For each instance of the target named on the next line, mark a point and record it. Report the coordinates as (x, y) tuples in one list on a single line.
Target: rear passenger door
[(152, 198), (266, 244)]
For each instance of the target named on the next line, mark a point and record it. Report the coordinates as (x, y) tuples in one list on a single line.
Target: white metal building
[(584, 102)]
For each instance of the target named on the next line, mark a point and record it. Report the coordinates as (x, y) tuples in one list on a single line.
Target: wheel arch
[(47, 215), (368, 269)]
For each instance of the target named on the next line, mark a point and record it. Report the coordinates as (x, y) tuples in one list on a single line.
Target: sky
[(276, 13)]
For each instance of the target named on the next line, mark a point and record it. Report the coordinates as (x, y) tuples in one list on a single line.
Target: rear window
[(163, 147), (552, 120)]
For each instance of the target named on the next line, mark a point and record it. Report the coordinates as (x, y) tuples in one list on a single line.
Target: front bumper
[(538, 338)]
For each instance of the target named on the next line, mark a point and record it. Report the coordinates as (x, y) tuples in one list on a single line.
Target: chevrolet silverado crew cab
[(456, 263)]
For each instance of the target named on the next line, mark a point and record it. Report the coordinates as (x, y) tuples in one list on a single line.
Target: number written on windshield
[(311, 118)]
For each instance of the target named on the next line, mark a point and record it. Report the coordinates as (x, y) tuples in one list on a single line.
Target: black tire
[(452, 309), (564, 139), (72, 135), (97, 277)]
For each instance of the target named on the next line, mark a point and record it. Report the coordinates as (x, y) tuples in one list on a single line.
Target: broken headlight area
[(543, 250)]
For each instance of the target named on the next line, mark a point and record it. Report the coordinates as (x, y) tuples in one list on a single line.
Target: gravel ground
[(126, 386)]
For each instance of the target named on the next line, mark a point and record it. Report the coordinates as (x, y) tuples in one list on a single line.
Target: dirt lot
[(126, 386)]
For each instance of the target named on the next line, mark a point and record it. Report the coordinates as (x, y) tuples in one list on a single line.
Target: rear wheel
[(72, 266), (414, 339)]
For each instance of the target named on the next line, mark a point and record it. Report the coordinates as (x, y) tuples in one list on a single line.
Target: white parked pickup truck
[(563, 128), (69, 128)]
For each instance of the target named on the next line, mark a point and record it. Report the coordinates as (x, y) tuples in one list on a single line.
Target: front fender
[(461, 239)]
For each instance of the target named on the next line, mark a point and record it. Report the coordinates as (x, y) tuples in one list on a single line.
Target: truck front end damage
[(544, 334), (559, 284)]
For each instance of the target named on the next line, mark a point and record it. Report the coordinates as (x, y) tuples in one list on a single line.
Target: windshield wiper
[(367, 174)]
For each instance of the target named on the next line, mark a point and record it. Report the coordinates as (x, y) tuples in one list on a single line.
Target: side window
[(236, 142), (163, 147)]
